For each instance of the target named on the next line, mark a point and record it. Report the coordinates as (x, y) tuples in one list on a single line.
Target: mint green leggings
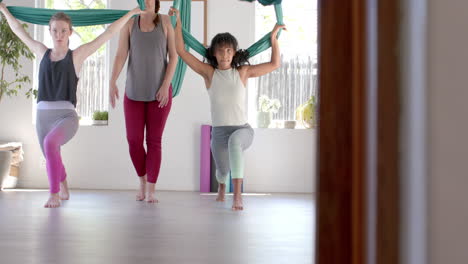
[(228, 144)]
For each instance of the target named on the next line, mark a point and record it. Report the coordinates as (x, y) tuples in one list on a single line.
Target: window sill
[(87, 122), (284, 124), (283, 128)]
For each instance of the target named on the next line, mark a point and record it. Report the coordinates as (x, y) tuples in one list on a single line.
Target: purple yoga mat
[(205, 158)]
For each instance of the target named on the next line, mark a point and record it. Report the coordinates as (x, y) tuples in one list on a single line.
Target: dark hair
[(157, 6), (240, 58)]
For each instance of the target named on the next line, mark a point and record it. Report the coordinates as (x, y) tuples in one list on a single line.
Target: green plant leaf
[(12, 49)]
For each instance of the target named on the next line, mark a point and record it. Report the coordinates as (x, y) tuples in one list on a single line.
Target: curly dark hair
[(240, 58)]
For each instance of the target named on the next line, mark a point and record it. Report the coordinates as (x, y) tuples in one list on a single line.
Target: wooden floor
[(110, 227)]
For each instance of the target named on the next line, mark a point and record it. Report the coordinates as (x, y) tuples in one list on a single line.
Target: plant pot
[(99, 122), (263, 119), (290, 124)]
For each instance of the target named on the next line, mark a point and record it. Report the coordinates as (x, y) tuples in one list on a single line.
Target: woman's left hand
[(163, 95), (136, 11), (174, 12)]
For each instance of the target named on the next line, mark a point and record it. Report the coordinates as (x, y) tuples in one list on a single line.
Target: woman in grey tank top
[(147, 41), (225, 76), (56, 119)]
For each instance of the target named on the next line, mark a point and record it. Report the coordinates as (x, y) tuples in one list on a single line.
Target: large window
[(92, 94), (295, 82)]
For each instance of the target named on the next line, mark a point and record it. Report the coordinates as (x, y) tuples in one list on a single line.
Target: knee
[(154, 141), (134, 141), (51, 144), (242, 139), (234, 141)]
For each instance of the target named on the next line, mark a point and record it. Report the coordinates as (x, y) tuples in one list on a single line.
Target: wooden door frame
[(345, 46)]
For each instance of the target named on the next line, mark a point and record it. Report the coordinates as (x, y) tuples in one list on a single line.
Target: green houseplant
[(11, 50), (306, 113), (100, 117), (266, 107)]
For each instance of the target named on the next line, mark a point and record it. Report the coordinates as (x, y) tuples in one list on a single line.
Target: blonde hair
[(60, 16)]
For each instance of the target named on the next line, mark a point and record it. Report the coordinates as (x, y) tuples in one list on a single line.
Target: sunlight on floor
[(243, 194), (25, 190), (208, 194)]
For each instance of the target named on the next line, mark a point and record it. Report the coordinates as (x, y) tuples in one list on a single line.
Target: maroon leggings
[(137, 116)]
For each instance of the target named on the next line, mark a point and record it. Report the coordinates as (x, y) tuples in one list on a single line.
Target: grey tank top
[(147, 62), (57, 79)]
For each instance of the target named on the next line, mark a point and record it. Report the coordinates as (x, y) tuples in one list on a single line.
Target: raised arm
[(205, 70), (119, 61), (275, 62), (85, 50), (36, 47)]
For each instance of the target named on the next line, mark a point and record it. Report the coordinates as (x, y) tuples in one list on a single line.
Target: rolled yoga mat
[(214, 181), (205, 158)]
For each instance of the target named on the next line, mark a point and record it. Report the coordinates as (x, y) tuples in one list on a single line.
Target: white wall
[(97, 158), (448, 130)]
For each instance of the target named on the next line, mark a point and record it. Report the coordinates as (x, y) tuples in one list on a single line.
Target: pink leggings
[(55, 127), (137, 116)]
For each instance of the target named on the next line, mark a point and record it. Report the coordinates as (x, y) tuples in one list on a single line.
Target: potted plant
[(266, 107), (11, 50), (306, 113), (100, 117)]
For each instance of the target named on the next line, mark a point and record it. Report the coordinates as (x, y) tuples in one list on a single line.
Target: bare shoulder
[(243, 68), (130, 22), (166, 20), (128, 26)]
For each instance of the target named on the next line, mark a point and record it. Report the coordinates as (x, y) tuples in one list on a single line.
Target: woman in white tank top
[(225, 76)]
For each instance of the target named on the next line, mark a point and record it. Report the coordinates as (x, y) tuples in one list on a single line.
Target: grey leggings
[(228, 144)]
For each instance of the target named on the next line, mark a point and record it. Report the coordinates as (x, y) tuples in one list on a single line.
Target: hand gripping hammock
[(89, 17)]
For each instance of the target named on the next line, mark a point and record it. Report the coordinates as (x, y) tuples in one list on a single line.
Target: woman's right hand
[(113, 94)]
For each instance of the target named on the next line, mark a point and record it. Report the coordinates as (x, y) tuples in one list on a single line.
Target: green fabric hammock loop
[(261, 45), (89, 17), (266, 2), (82, 17)]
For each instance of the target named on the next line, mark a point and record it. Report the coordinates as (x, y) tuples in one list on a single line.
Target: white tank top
[(227, 98)]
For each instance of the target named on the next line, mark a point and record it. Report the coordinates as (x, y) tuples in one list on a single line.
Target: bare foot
[(151, 193), (221, 192), (151, 198), (53, 202), (64, 192), (237, 204), (141, 193)]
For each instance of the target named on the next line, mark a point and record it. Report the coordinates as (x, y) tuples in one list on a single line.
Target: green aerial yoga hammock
[(266, 2), (89, 17)]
